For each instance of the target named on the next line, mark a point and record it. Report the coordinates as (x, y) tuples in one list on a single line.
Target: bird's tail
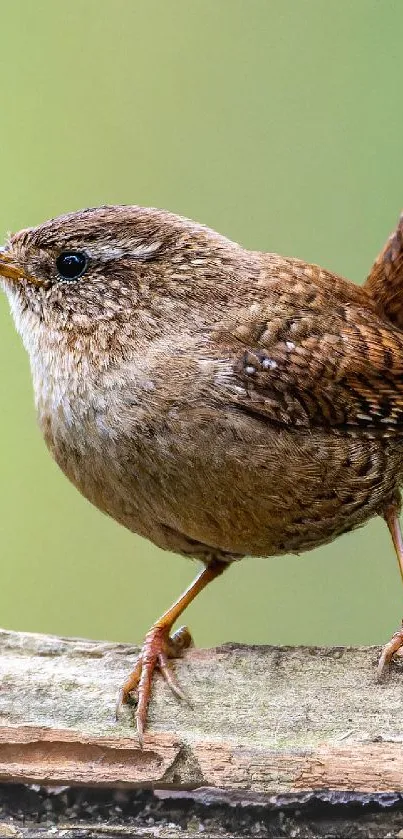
[(384, 283)]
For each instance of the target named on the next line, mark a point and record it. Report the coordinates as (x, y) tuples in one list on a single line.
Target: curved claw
[(158, 647), (119, 704), (169, 678), (393, 646)]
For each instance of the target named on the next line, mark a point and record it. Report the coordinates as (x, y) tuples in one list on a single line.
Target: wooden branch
[(264, 721)]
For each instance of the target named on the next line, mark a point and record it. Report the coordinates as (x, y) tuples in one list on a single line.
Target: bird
[(218, 401)]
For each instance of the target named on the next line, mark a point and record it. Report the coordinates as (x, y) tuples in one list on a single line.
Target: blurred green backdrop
[(278, 122)]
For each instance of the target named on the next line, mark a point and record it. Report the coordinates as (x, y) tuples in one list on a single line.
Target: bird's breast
[(219, 480), (182, 464)]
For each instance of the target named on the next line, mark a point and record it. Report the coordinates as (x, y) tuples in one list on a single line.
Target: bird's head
[(117, 272)]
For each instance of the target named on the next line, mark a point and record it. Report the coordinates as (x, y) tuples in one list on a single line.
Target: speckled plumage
[(218, 401)]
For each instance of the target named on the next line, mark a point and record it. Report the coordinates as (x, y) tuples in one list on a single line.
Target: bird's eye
[(71, 264)]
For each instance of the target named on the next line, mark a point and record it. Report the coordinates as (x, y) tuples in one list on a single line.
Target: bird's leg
[(391, 516), (159, 646)]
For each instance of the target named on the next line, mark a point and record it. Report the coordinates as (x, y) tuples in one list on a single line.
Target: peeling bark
[(270, 728)]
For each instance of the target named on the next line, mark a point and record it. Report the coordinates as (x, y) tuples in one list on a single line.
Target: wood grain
[(264, 720)]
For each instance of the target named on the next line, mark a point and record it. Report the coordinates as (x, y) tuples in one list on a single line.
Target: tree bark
[(269, 728)]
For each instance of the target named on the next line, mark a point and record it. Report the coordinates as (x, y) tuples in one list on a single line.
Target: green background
[(277, 123)]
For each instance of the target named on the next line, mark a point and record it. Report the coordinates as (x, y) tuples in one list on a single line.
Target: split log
[(268, 726)]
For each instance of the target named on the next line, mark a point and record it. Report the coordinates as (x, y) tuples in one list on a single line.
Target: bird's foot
[(158, 647), (395, 645)]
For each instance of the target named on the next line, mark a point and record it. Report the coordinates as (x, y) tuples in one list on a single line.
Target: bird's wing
[(341, 366)]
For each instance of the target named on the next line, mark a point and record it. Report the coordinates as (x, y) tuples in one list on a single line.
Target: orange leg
[(159, 646), (391, 516)]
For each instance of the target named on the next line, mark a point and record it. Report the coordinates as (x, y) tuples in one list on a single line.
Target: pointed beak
[(8, 268)]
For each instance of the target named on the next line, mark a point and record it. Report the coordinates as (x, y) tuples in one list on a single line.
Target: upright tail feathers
[(384, 283)]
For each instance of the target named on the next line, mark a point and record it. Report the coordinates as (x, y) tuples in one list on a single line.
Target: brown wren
[(218, 401)]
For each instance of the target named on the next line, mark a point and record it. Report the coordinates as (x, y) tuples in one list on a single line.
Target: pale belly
[(236, 488)]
